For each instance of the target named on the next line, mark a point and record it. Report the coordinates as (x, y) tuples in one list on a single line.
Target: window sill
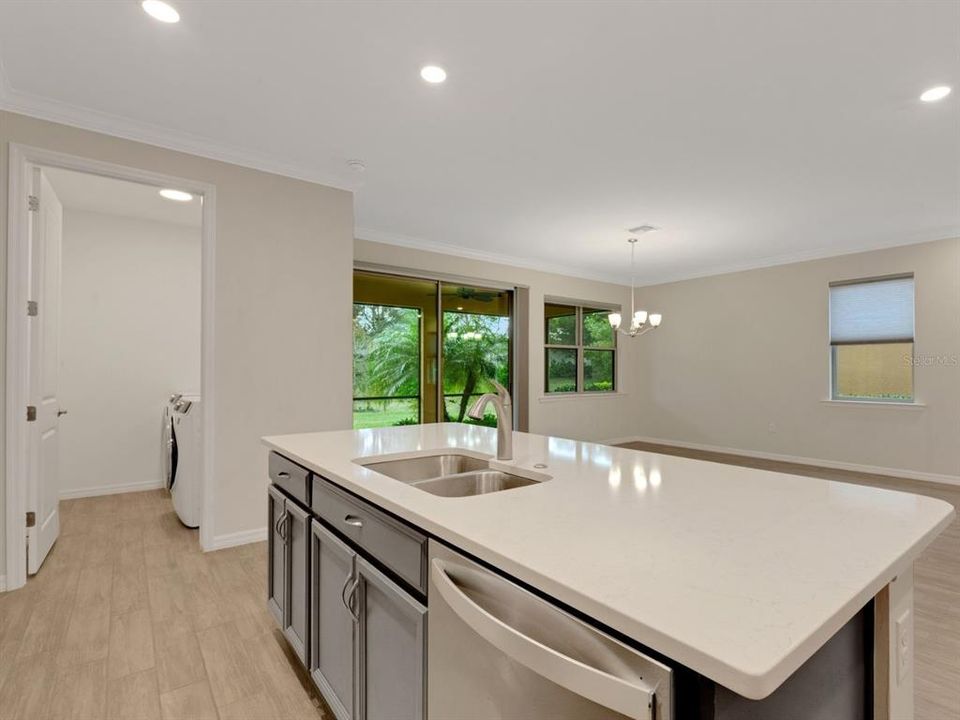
[(875, 403), (553, 397)]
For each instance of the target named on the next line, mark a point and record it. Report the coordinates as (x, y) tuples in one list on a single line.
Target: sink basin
[(410, 470), (468, 484)]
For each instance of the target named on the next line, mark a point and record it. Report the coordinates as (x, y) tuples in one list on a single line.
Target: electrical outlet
[(772, 427), (904, 639)]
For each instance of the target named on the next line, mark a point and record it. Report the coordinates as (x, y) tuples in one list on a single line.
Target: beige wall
[(283, 262), (592, 417), (129, 338), (742, 362)]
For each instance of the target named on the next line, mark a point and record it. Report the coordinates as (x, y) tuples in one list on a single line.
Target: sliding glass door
[(477, 346), (394, 350), (412, 337)]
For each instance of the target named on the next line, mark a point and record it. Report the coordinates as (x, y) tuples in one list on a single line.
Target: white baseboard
[(244, 537), (3, 583), (110, 489), (817, 462)]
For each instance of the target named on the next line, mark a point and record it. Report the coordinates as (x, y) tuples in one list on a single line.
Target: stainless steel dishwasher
[(499, 652)]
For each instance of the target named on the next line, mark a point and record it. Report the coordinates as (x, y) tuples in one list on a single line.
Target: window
[(580, 349), (871, 339)]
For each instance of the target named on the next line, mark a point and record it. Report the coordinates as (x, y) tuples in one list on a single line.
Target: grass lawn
[(382, 413)]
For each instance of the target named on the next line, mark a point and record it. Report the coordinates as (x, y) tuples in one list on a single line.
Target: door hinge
[(31, 519), (31, 413), (33, 203), (32, 308)]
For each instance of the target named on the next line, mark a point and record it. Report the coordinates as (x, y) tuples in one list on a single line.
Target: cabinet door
[(296, 622), (392, 649), (276, 555), (333, 634)]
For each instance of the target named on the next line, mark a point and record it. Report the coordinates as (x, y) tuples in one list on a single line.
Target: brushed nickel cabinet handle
[(353, 520)]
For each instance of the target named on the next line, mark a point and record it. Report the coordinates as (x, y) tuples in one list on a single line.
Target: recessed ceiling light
[(178, 195), (433, 74), (935, 93), (159, 10)]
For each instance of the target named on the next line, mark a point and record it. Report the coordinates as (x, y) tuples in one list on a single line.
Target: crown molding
[(822, 253), (117, 126), (518, 261)]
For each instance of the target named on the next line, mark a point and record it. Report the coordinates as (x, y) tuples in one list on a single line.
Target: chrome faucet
[(504, 407)]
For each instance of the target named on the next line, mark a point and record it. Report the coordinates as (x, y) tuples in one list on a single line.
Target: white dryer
[(184, 458)]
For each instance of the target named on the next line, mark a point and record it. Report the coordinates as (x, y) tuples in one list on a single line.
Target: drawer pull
[(283, 475), (353, 520)]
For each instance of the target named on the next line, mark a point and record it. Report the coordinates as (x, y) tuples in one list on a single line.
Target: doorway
[(115, 278), (424, 349)]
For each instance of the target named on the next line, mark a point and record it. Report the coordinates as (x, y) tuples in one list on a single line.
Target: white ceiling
[(94, 193), (752, 133)]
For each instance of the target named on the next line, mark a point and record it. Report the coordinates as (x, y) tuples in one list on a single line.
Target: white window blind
[(872, 311)]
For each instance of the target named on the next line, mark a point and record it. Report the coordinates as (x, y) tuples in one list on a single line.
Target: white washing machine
[(182, 453)]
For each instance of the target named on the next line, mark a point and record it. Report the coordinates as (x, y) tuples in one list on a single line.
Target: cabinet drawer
[(398, 547), (291, 478)]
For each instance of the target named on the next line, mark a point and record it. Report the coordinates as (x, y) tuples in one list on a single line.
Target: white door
[(43, 480)]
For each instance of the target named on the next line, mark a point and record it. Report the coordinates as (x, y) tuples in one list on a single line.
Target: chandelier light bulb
[(615, 320), (656, 319), (639, 317)]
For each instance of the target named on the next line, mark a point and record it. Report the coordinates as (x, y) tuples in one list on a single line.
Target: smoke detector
[(641, 229)]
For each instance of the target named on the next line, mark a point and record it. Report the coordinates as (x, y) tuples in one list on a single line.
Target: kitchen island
[(739, 575)]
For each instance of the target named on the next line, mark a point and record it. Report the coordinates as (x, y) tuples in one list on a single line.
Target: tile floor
[(127, 619)]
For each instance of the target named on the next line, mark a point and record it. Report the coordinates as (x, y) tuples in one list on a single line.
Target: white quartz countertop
[(739, 574)]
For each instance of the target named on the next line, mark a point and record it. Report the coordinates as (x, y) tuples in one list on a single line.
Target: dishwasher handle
[(631, 698)]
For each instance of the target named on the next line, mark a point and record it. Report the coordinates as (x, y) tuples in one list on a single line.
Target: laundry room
[(129, 336)]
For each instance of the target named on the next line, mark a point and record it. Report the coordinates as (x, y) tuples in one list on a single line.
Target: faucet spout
[(504, 408)]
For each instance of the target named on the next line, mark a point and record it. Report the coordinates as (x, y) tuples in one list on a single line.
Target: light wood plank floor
[(936, 580), (128, 620)]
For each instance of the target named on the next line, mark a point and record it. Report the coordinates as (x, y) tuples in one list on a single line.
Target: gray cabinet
[(368, 636), (333, 638), (392, 648), (296, 622), (357, 628), (288, 569), (276, 550)]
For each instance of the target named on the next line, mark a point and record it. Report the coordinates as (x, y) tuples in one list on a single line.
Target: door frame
[(21, 157)]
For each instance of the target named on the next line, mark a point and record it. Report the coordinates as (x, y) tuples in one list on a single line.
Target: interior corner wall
[(129, 338), (742, 362), (282, 301), (581, 417)]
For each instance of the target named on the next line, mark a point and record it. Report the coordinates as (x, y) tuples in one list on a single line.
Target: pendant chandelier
[(640, 321)]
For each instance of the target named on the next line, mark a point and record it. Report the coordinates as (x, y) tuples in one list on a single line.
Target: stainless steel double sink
[(450, 475)]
